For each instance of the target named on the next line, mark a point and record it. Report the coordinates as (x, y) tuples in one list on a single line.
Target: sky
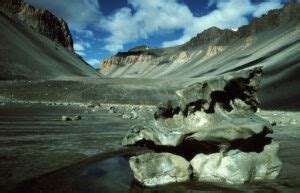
[(101, 28)]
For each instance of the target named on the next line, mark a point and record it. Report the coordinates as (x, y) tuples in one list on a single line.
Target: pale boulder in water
[(152, 169), (236, 167)]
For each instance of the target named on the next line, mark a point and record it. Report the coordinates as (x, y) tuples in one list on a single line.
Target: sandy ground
[(36, 146), (34, 140)]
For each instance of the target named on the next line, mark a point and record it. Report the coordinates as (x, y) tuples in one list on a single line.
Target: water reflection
[(114, 175)]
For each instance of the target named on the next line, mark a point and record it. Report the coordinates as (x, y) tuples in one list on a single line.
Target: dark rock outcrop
[(213, 35), (274, 18), (41, 20)]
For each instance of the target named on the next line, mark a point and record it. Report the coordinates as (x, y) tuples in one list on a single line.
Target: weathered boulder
[(237, 167), (212, 124), (152, 169), (199, 126), (200, 114)]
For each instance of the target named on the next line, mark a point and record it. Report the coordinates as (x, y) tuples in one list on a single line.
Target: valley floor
[(34, 142)]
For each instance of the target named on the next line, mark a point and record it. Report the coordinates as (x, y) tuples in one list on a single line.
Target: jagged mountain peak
[(41, 20), (211, 35), (270, 20)]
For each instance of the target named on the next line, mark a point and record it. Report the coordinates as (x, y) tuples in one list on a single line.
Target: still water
[(113, 175)]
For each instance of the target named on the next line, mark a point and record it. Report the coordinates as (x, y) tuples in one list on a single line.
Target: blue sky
[(101, 28)]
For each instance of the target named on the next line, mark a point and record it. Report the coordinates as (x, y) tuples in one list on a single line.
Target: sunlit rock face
[(41, 20), (236, 166), (154, 169), (213, 123)]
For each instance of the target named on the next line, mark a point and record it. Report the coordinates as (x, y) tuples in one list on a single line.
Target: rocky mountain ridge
[(41, 20), (203, 47)]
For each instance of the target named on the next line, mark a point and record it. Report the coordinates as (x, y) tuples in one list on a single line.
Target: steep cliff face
[(209, 50), (27, 54), (40, 20)]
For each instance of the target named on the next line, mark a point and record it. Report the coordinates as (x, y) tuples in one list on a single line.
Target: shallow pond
[(113, 175)]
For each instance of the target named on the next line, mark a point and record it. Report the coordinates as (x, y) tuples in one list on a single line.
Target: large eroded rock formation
[(213, 126)]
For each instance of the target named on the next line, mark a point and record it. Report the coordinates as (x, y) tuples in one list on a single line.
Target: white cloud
[(80, 53), (225, 16), (78, 13), (146, 18), (85, 33), (264, 7), (80, 47), (93, 62)]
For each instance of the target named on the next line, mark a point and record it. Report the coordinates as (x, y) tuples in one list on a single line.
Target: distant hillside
[(215, 51), (35, 44), (272, 41)]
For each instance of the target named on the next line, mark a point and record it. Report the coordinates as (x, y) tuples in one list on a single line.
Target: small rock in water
[(153, 169)]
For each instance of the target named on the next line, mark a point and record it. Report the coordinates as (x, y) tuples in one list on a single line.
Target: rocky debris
[(293, 121), (127, 111), (71, 118), (134, 114), (152, 169), (93, 104), (130, 115), (126, 116), (112, 110), (213, 121), (41, 20)]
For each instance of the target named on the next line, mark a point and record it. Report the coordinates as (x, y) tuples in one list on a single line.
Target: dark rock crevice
[(189, 148), (236, 88)]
